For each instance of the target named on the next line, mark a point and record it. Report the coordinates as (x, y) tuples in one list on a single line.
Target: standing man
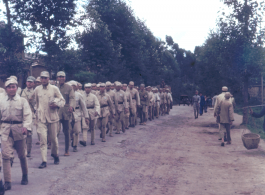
[(80, 108), (202, 103), (65, 112), (205, 104), (129, 100), (151, 101), (162, 105), (27, 93), (121, 106), (196, 103), (106, 108), (226, 112), (169, 100), (214, 99), (144, 101), (93, 108), (111, 116), (16, 121), (135, 103), (157, 102), (48, 100)]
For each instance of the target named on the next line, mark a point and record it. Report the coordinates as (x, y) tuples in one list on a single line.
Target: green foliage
[(85, 77)]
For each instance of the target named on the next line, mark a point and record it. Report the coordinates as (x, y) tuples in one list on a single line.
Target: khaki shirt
[(106, 105), (169, 98), (69, 97), (80, 107), (135, 97), (2, 90), (144, 100), (219, 99), (120, 101), (225, 110), (28, 94), (129, 98), (112, 97), (16, 109), (161, 95), (151, 98), (156, 100), (92, 105), (44, 96)]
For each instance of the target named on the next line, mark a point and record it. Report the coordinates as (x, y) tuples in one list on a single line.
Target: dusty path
[(175, 154)]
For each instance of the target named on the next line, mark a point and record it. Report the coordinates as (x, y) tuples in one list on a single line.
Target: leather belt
[(76, 107), (104, 106), (120, 103), (90, 107), (133, 98), (158, 100), (12, 122)]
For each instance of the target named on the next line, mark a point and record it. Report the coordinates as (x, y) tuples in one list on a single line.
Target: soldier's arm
[(72, 98), (58, 94), (137, 98), (116, 102), (110, 105), (231, 112), (146, 99), (97, 105), (125, 103), (27, 115), (83, 106)]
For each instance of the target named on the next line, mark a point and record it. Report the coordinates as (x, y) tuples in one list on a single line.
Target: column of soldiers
[(49, 107)]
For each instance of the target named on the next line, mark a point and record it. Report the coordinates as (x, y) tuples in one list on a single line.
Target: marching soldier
[(151, 101), (80, 107), (16, 121), (106, 108), (162, 104), (15, 78), (111, 117), (135, 103), (65, 112), (169, 100), (94, 88), (93, 108), (196, 104), (27, 93), (157, 102), (48, 100), (129, 100), (121, 106), (144, 103)]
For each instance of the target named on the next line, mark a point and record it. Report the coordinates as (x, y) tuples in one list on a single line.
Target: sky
[(187, 21)]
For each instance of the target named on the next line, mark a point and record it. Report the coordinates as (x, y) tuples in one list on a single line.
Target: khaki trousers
[(225, 131), (162, 109), (76, 131), (119, 118), (168, 108), (90, 126), (143, 113), (126, 119), (29, 138), (8, 148), (150, 112), (43, 130), (133, 115), (102, 123), (110, 123)]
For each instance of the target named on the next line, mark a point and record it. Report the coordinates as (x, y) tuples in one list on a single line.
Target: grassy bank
[(255, 125)]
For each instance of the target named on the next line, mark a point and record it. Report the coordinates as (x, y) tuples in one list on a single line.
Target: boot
[(75, 149), (83, 143), (24, 180), (7, 186), (28, 155), (2, 188), (56, 160), (43, 165)]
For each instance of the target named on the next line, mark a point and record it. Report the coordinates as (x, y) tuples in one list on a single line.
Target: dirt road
[(174, 154)]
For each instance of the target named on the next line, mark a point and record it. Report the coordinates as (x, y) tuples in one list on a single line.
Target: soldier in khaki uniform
[(27, 93), (16, 120), (106, 109), (156, 102), (112, 87), (93, 108), (48, 100), (169, 100), (129, 100), (135, 103), (226, 112), (151, 102), (121, 106), (15, 78), (162, 105), (80, 107), (144, 101), (94, 88), (65, 112), (111, 117)]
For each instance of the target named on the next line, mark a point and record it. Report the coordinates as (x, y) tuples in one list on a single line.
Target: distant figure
[(202, 103), (214, 99), (206, 104), (196, 104), (226, 112), (162, 85)]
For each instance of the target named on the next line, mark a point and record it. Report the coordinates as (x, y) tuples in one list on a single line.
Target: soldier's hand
[(231, 123), (71, 110), (24, 131), (96, 113), (87, 121), (250, 111)]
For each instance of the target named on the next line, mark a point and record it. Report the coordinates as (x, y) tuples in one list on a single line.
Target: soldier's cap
[(12, 77), (11, 81), (31, 78), (98, 85), (61, 74), (167, 89), (73, 83), (112, 84), (108, 83), (142, 85), (93, 84), (148, 87), (38, 79), (102, 85), (99, 82), (131, 83), (79, 84), (88, 85), (124, 85), (44, 74), (228, 95), (118, 84), (224, 88)]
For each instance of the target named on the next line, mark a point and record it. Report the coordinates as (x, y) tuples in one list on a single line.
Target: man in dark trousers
[(202, 103)]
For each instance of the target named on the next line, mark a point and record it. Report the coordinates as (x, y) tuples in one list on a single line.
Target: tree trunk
[(245, 96)]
